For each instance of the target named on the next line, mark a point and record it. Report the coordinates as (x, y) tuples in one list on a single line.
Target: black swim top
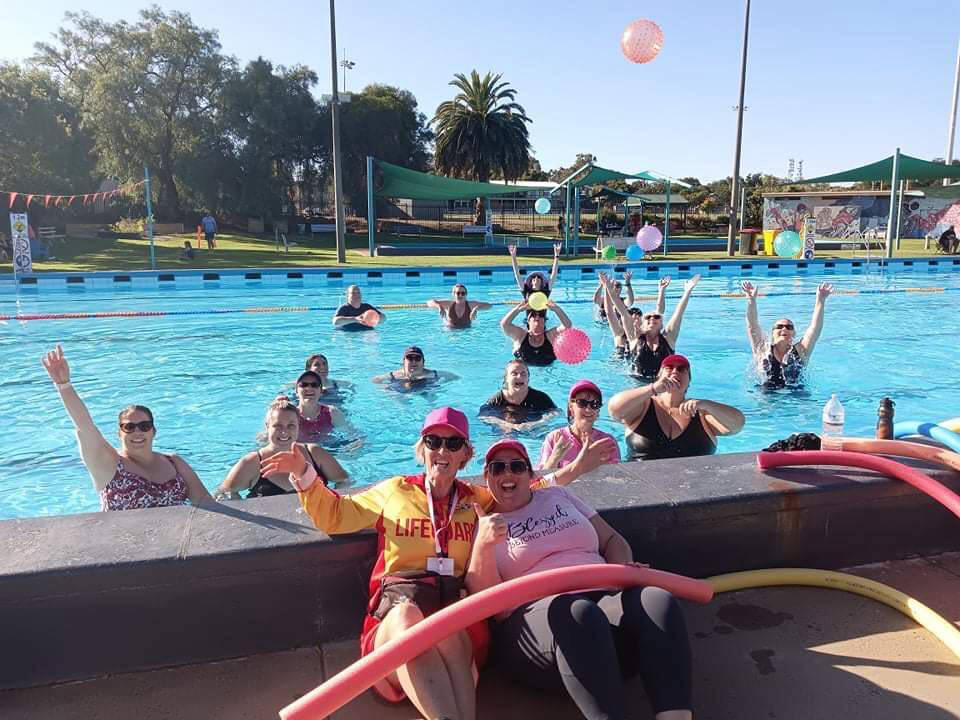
[(648, 441), (788, 373), (265, 488), (539, 355), (646, 360), (411, 383)]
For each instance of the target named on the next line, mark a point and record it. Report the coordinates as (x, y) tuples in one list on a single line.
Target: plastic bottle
[(885, 419), (833, 417)]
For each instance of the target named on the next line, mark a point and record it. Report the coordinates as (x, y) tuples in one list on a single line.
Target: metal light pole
[(335, 119), (346, 65), (953, 114), (149, 221), (735, 181)]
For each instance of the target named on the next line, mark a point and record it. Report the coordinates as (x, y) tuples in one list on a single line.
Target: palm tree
[(482, 132)]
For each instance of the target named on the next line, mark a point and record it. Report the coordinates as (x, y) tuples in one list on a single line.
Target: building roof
[(841, 193)]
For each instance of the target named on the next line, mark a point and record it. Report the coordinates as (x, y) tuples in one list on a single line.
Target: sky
[(836, 84)]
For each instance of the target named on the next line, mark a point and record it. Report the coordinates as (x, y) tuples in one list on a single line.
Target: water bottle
[(833, 417), (885, 419)]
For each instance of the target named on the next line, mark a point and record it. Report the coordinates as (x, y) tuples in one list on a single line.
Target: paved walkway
[(778, 653)]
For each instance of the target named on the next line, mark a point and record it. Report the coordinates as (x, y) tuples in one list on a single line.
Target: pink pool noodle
[(346, 685), (940, 493)]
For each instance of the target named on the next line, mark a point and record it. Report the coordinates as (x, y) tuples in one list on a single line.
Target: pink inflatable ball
[(371, 318), (572, 346), (641, 41), (649, 238)]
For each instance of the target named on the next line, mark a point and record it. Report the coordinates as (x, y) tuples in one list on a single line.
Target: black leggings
[(589, 642)]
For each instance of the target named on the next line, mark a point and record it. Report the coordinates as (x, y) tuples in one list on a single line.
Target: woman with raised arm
[(649, 345), (599, 296), (534, 344), (458, 313), (781, 360), (282, 425), (135, 476), (634, 314), (535, 281), (660, 422)]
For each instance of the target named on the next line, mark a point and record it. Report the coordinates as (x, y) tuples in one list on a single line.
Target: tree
[(147, 91), (562, 173), (481, 131)]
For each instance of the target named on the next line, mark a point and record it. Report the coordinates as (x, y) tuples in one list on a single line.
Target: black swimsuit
[(788, 373), (265, 488), (540, 355), (646, 360), (648, 441)]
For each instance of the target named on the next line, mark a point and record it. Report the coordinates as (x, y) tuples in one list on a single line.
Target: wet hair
[(515, 361), (535, 313), (635, 311), (280, 404), (528, 284), (314, 358), (135, 408)]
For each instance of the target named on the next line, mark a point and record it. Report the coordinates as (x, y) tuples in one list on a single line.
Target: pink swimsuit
[(311, 430), (129, 491)]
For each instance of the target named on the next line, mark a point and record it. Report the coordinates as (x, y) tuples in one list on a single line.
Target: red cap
[(678, 361), (585, 385), (449, 418), (507, 445)]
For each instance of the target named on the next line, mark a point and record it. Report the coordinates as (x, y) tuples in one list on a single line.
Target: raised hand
[(557, 247), (665, 384), (689, 407), (627, 275), (491, 528), (664, 283), (824, 290), (690, 284), (284, 462), (512, 249), (55, 363), (593, 455), (749, 289)]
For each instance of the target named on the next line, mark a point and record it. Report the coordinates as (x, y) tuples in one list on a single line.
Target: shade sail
[(911, 168), (597, 175), (401, 182)]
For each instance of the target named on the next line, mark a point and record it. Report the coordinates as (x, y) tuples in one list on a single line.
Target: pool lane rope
[(347, 684), (402, 306), (931, 430)]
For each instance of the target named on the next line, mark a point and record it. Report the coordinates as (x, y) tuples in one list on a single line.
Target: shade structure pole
[(892, 218), (735, 180), (371, 210), (666, 220), (953, 114), (566, 225), (576, 220), (899, 210), (335, 122)]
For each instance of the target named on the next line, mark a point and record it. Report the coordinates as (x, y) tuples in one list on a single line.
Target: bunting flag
[(13, 196), (67, 200), (29, 198), (46, 200), (72, 198)]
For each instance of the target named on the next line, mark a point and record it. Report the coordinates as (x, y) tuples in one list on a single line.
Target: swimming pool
[(210, 377)]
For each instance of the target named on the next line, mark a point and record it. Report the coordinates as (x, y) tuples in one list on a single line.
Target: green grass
[(240, 250)]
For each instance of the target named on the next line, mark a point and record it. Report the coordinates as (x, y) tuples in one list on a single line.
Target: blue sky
[(836, 84)]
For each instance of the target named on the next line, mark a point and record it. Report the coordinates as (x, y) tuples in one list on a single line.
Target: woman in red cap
[(426, 523), (584, 642), (562, 445), (662, 423)]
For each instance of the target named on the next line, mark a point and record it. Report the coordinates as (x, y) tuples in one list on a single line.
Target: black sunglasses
[(412, 357), (653, 316), (461, 293), (584, 404), (142, 426), (517, 467), (435, 442), (309, 384), (783, 326)]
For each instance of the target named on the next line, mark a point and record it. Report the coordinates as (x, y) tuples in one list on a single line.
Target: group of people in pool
[(442, 537)]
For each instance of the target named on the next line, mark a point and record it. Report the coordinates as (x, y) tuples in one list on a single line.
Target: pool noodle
[(894, 447), (943, 495), (347, 684), (930, 430)]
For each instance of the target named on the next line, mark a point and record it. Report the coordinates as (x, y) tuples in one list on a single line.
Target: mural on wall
[(841, 216)]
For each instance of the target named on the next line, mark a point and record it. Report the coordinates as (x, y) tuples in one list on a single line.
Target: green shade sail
[(911, 168), (598, 175), (401, 182)]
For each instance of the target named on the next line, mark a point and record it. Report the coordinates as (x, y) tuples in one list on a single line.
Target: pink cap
[(585, 385), (449, 418), (507, 445)]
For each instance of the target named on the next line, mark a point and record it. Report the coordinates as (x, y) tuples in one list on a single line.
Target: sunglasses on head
[(517, 467), (584, 404), (309, 384), (142, 426), (783, 326), (413, 357), (435, 442)]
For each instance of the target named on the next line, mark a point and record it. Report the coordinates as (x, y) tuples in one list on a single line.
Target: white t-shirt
[(552, 531)]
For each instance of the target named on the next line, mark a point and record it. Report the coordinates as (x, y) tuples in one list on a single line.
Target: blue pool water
[(209, 378)]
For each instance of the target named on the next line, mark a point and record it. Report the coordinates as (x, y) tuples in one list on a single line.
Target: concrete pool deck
[(783, 653)]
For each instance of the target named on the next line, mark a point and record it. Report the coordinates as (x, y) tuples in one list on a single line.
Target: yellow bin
[(768, 236)]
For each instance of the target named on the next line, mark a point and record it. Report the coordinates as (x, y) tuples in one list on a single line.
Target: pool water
[(210, 378)]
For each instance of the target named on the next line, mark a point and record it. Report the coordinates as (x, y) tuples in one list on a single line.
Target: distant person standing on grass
[(209, 230)]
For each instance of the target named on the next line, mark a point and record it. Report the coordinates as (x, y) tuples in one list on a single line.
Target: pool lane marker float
[(930, 430), (347, 684), (945, 631), (844, 458)]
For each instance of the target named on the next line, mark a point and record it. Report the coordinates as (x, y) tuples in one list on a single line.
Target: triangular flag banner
[(86, 199), (29, 198), (13, 196), (56, 203), (95, 197), (70, 202), (46, 200)]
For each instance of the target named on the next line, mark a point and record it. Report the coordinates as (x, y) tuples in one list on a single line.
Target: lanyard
[(441, 552)]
